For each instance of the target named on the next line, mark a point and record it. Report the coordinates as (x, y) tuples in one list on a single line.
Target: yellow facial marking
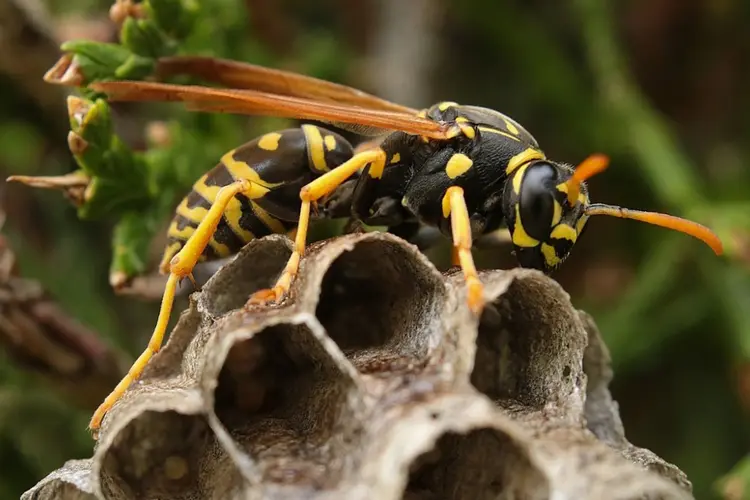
[(511, 128), (563, 188), (550, 256), (520, 237), (330, 142), (581, 222), (462, 119), (564, 232), (396, 158), (457, 165), (270, 142), (522, 158), (241, 170), (557, 214), (445, 105), (498, 132), (315, 147), (517, 178)]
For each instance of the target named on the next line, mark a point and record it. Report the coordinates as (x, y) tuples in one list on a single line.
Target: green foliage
[(137, 189), (142, 43), (118, 177), (175, 18), (102, 61)]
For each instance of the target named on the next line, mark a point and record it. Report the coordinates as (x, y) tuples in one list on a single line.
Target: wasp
[(464, 170)]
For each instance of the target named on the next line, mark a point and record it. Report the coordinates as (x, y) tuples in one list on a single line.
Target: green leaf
[(118, 176), (102, 55), (91, 122), (130, 243), (174, 17), (106, 61), (144, 38), (135, 68)]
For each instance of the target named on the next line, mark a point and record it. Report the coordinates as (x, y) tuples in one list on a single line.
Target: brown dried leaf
[(371, 381)]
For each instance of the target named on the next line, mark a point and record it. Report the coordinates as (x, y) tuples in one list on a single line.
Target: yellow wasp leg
[(454, 206), (310, 193), (181, 267)]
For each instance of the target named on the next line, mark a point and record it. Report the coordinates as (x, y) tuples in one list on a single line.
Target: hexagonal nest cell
[(371, 381)]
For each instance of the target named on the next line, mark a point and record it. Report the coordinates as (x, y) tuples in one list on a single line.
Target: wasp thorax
[(542, 222)]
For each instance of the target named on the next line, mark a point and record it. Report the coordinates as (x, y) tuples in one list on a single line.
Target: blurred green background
[(661, 86)]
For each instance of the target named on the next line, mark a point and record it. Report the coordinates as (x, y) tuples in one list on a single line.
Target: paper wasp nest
[(372, 381)]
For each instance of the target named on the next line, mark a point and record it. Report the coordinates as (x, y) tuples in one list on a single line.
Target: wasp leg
[(309, 194), (455, 258), (181, 267), (455, 206)]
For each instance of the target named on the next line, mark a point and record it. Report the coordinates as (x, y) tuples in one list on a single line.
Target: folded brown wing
[(250, 102)]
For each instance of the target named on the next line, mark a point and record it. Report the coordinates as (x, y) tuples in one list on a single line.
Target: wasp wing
[(251, 102), (240, 75)]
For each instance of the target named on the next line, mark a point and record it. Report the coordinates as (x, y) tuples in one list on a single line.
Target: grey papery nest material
[(372, 381)]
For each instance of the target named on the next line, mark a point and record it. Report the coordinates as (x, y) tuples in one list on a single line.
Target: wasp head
[(547, 206)]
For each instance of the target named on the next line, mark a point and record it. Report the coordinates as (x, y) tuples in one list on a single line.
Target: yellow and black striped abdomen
[(278, 164)]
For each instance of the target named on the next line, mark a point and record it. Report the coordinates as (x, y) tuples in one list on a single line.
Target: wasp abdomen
[(278, 164)]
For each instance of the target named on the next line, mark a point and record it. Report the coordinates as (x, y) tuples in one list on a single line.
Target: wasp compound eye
[(536, 203)]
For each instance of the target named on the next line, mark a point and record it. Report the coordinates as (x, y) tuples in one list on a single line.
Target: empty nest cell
[(483, 464), (156, 456), (287, 405), (256, 266), (530, 345), (379, 302)]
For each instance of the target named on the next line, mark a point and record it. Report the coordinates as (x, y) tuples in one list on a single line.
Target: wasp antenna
[(588, 168), (669, 221)]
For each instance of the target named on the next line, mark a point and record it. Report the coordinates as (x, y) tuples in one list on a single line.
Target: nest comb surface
[(371, 381)]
